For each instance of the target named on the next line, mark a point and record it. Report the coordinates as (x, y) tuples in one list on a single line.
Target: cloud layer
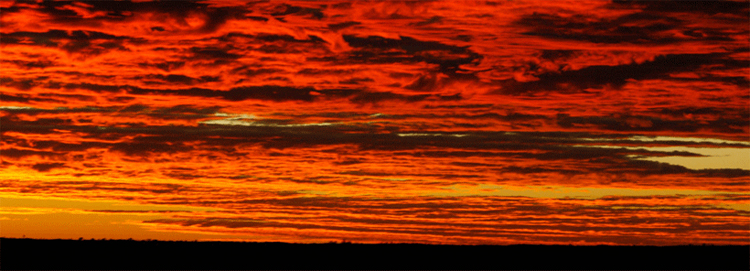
[(432, 122)]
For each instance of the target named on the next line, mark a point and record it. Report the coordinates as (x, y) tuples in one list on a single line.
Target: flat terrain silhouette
[(129, 254)]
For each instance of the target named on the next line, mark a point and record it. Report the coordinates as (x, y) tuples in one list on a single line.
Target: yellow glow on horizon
[(49, 223), (7, 201), (712, 158), (50, 218), (688, 139)]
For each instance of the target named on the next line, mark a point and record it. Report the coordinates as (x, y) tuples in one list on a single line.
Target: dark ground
[(126, 254)]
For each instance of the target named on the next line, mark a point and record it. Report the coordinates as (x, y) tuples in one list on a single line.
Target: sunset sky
[(439, 122)]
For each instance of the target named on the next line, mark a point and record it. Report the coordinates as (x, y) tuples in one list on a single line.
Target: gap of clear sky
[(440, 122)]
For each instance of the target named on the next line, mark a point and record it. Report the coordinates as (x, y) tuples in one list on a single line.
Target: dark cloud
[(356, 81), (84, 42), (171, 79), (324, 71), (737, 8), (597, 77), (431, 20), (218, 16), (692, 111), (377, 49), (44, 167), (339, 26), (24, 98), (376, 97), (644, 167), (725, 173), (509, 117), (165, 66), (21, 84), (20, 153), (174, 78), (250, 72), (35, 111), (48, 97), (286, 9), (466, 106), (37, 38), (425, 83), (257, 18), (632, 123), (117, 11), (213, 53), (269, 93), (35, 64), (187, 109), (454, 97), (143, 146), (275, 135), (349, 161), (167, 113), (265, 38), (557, 54), (631, 28), (266, 43)]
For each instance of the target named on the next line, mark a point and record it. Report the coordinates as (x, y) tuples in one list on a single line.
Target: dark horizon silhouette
[(152, 254), (584, 122)]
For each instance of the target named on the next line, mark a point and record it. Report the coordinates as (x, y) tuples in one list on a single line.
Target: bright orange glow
[(451, 122)]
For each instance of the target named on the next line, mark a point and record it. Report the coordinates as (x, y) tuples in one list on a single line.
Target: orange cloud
[(430, 122)]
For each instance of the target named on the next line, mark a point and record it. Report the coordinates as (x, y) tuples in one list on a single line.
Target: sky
[(436, 122)]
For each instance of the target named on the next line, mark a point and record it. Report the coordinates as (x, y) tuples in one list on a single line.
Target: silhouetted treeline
[(127, 254)]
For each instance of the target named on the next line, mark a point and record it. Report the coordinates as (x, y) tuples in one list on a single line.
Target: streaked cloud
[(473, 122)]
